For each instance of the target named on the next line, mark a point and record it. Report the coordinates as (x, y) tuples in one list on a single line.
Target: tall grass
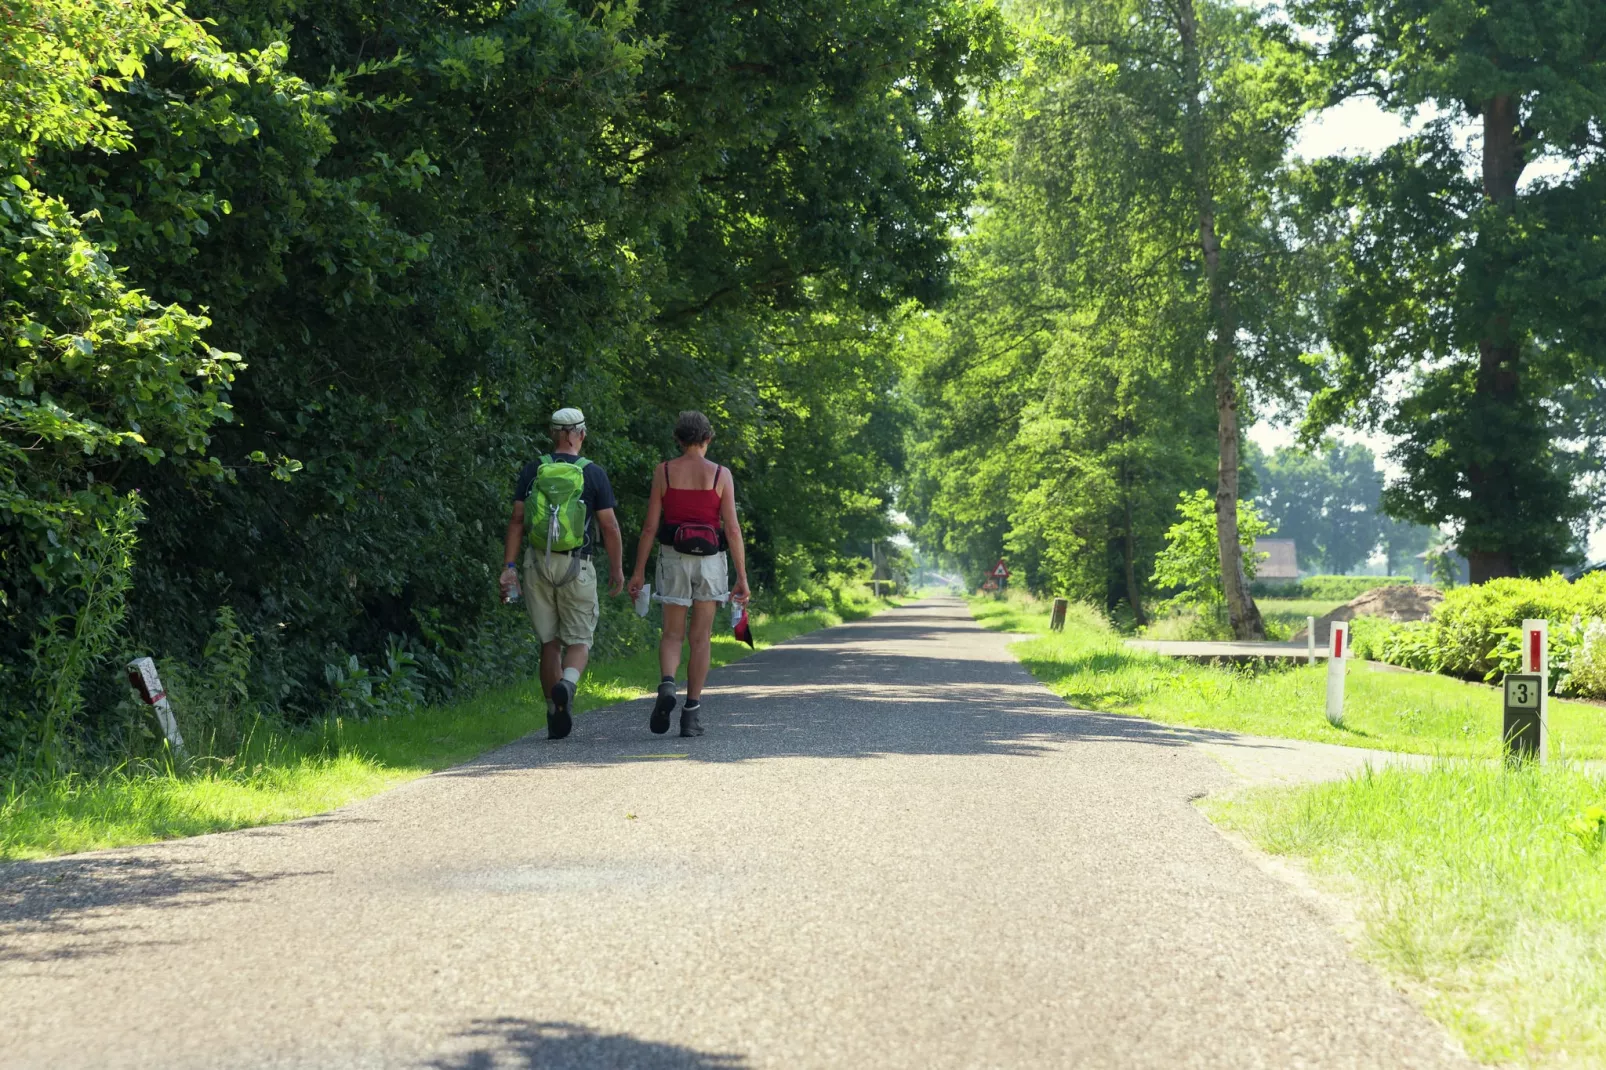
[(1482, 888)]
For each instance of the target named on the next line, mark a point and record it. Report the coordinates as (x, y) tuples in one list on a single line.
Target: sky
[(1359, 126)]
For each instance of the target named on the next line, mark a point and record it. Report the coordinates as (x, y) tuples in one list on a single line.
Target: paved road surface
[(893, 849)]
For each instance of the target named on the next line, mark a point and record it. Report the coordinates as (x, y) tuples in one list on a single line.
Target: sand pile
[(1395, 602)]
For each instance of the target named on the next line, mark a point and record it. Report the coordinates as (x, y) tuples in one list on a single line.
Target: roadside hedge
[(1326, 588), (1476, 633)]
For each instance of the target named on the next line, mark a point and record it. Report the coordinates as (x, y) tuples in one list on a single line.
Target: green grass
[(1089, 665), (335, 763), (1481, 889), (1285, 616)]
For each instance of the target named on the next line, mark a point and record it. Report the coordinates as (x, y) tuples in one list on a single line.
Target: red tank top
[(691, 506)]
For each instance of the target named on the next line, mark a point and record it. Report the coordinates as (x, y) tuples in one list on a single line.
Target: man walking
[(558, 497)]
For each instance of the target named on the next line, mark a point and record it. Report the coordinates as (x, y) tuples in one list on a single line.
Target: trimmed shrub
[(1476, 632)]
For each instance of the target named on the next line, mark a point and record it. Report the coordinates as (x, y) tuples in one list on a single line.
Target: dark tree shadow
[(523, 1044), (78, 901), (924, 680)]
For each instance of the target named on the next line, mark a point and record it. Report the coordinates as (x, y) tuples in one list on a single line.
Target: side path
[(892, 849)]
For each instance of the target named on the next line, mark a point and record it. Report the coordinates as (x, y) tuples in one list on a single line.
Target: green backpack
[(555, 515)]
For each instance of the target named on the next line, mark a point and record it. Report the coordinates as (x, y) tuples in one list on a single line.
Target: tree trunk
[(1241, 609), (1498, 378), (1129, 556)]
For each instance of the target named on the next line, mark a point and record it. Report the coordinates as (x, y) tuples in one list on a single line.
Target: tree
[(1486, 294), (1127, 282), (1326, 501), (1211, 96), (424, 226), (1404, 543), (1190, 563)]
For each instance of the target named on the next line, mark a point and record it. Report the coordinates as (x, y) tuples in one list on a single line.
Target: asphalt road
[(892, 849)]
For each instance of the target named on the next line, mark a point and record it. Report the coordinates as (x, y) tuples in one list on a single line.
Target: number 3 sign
[(1526, 728)]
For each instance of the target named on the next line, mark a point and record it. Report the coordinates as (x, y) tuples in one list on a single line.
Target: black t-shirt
[(597, 492)]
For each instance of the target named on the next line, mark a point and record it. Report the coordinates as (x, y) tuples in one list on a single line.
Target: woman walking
[(692, 517)]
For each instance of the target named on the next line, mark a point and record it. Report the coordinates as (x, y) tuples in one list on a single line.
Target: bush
[(1324, 588), (1190, 563), (1476, 632)]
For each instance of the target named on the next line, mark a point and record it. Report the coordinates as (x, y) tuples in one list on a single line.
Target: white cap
[(570, 419)]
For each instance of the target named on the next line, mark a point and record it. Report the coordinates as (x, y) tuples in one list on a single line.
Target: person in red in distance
[(692, 517)]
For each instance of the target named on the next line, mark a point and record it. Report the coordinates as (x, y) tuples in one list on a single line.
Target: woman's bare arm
[(733, 535)]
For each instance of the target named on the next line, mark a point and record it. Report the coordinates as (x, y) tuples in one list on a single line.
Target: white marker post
[(1527, 696), (1310, 639), (1337, 661), (142, 674)]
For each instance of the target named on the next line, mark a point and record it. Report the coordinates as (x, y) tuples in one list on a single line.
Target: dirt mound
[(1399, 602)]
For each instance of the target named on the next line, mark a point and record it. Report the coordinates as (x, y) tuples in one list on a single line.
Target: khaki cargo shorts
[(569, 612), (686, 578)]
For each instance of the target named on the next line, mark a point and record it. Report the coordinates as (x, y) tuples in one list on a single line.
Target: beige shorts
[(684, 578), (569, 612)]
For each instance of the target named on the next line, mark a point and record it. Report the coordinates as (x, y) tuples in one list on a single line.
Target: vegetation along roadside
[(1090, 665), (335, 762), (1480, 889)]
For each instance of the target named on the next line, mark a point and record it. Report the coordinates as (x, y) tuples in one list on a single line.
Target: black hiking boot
[(558, 722), (689, 724), (663, 708)]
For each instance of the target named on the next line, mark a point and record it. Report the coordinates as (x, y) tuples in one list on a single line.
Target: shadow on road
[(522, 1044), (78, 900), (925, 680)]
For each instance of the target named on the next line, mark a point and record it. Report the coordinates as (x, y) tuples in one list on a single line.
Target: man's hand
[(637, 582), (739, 591), (508, 579), (616, 581)]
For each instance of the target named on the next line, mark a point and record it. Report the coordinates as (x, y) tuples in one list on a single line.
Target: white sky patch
[(1357, 127)]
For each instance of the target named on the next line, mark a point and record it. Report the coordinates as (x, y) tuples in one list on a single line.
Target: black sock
[(693, 704), (669, 678)]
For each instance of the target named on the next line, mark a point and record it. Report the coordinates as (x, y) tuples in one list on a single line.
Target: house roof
[(1278, 559)]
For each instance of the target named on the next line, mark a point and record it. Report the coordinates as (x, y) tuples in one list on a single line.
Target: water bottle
[(511, 596)]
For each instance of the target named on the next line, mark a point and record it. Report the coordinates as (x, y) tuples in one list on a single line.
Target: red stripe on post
[(1535, 650), (1338, 642)]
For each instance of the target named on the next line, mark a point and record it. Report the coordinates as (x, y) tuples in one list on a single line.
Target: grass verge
[(1481, 889), (335, 763), (1089, 664)]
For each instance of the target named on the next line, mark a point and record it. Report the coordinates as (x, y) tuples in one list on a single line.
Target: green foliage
[(1067, 394), (279, 775), (420, 248), (1589, 829), (1487, 299), (1190, 563), (67, 648), (1476, 632), (1326, 588), (1325, 500), (1586, 667), (212, 700), (1093, 667), (1475, 886)]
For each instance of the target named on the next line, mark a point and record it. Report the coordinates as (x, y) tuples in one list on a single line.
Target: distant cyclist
[(692, 517), (557, 498)]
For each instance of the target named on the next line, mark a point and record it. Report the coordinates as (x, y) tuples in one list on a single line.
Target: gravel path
[(892, 849)]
